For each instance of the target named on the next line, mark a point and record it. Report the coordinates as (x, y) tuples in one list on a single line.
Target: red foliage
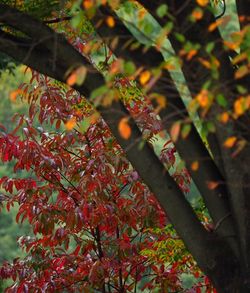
[(89, 210)]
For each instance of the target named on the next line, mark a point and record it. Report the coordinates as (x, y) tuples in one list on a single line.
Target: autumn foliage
[(99, 223)]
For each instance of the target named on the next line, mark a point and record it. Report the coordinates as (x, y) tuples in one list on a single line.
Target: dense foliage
[(103, 91)]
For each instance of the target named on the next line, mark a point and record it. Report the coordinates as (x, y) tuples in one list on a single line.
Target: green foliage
[(37, 8)]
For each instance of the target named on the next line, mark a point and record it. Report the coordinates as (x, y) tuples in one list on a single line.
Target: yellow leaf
[(110, 21), (175, 131), (124, 128), (70, 124), (114, 4), (202, 3), (144, 77), (195, 166), (230, 141)]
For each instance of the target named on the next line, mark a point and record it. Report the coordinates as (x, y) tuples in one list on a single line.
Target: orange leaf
[(14, 94), (197, 14), (124, 128), (161, 101), (77, 76), (175, 131), (205, 63), (195, 166), (212, 184), (224, 117), (242, 71), (214, 25), (239, 106), (141, 13), (70, 124), (202, 3), (232, 45), (110, 21), (144, 77), (230, 141), (203, 98), (87, 4), (71, 80), (191, 54)]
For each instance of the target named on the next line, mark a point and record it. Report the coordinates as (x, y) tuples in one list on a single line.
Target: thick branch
[(191, 149), (237, 168), (202, 244)]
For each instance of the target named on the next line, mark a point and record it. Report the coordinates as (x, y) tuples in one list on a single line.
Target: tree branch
[(190, 149), (204, 246)]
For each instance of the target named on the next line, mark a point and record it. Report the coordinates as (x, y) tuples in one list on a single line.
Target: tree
[(216, 74)]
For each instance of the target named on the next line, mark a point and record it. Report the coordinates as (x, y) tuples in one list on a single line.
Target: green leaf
[(210, 47), (162, 10), (241, 89), (179, 37), (210, 126), (185, 130), (98, 92), (221, 100), (129, 68)]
